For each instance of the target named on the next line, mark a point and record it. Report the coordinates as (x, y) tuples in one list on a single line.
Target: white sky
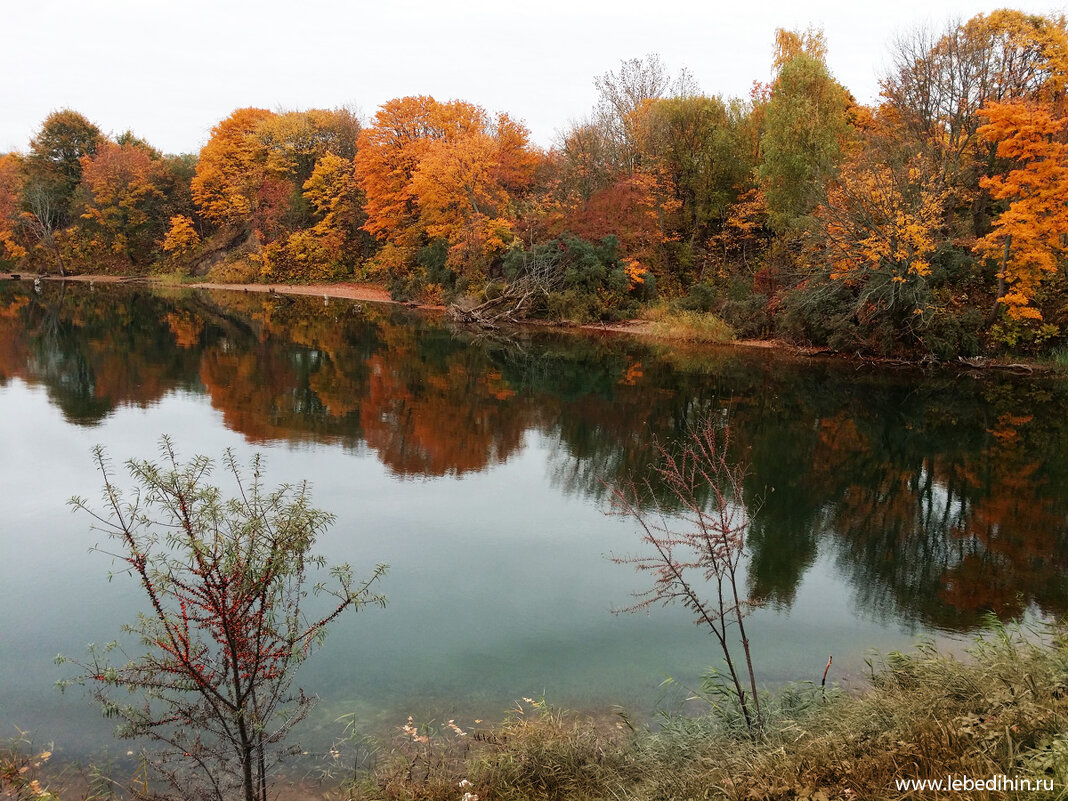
[(170, 70)]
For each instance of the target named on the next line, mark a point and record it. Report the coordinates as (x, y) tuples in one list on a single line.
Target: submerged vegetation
[(929, 224)]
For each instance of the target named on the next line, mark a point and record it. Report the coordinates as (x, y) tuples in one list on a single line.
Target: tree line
[(933, 222)]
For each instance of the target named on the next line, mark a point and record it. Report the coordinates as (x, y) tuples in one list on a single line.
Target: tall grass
[(688, 326)]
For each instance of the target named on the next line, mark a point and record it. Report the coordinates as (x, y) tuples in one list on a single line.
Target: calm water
[(895, 504)]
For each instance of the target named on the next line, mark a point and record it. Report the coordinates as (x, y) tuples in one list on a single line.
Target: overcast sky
[(170, 70)]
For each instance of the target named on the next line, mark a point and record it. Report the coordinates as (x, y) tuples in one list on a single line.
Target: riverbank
[(1000, 716), (993, 725), (649, 329)]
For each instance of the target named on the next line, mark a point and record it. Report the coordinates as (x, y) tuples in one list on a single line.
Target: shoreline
[(376, 293)]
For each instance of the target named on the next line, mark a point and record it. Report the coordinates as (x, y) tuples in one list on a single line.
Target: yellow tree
[(878, 218), (296, 140), (883, 217), (322, 250), (182, 238), (332, 192), (231, 169), (1027, 239)]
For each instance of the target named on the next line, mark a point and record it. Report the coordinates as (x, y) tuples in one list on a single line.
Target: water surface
[(893, 504)]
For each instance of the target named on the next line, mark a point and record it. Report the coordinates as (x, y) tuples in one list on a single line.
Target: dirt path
[(351, 291)]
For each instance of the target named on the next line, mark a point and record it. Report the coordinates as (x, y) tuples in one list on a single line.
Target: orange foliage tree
[(122, 205), (940, 84), (11, 247), (267, 173), (448, 171), (1028, 237), (231, 169)]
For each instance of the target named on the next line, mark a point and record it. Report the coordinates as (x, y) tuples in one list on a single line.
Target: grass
[(1003, 711), (1058, 359), (687, 326)]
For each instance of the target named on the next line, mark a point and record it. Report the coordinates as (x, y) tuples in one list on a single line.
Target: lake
[(894, 504)]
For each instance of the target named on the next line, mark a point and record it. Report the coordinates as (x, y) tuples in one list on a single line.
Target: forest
[(931, 225)]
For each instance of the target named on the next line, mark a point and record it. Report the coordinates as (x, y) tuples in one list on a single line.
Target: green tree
[(227, 627), (55, 158), (52, 171), (805, 125), (693, 143)]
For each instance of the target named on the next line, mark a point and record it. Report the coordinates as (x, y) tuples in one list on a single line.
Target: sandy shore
[(351, 291)]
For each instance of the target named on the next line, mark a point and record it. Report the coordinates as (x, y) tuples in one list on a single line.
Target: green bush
[(701, 297), (953, 333), (748, 316), (581, 281)]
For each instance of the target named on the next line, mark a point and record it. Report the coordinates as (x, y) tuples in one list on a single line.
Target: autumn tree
[(230, 172), (585, 163), (630, 211), (1027, 240), (939, 83), (390, 151), (622, 92), (52, 171), (12, 248), (227, 585), (743, 233), (182, 237), (877, 232), (330, 246), (294, 142), (122, 205), (448, 171), (54, 163), (790, 44), (692, 145), (466, 187)]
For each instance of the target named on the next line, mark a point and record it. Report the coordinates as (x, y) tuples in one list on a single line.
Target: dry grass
[(687, 326), (234, 271), (927, 715)]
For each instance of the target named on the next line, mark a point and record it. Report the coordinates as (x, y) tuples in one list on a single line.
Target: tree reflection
[(939, 497)]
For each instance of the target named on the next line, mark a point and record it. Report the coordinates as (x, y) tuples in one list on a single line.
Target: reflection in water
[(942, 497)]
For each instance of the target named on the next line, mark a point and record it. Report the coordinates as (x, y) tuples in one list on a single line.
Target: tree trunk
[(1002, 286)]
